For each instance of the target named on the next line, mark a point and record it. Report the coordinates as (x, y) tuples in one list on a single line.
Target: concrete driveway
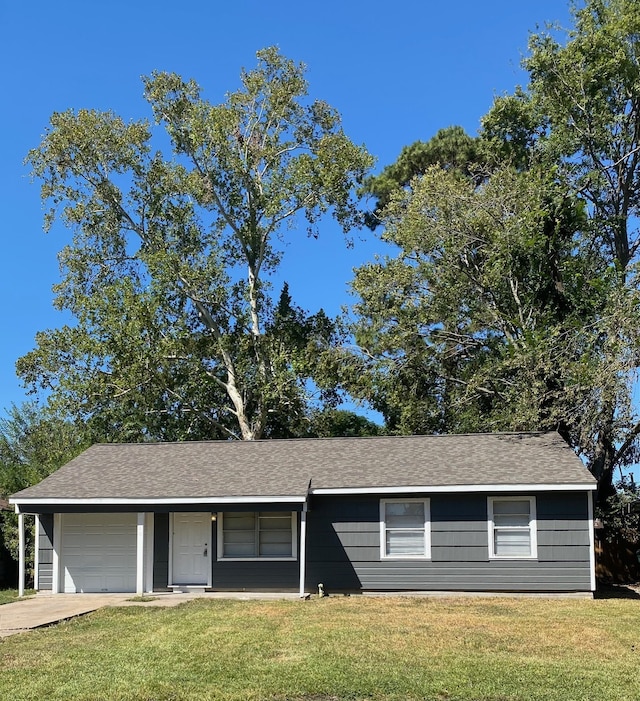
[(44, 609)]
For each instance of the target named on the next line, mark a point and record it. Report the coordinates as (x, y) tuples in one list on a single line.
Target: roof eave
[(301, 499), (459, 488)]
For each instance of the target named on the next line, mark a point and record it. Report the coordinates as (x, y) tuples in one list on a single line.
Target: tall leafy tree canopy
[(177, 333), (33, 444), (513, 302)]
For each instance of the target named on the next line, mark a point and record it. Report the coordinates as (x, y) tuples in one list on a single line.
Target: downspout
[(303, 548), (303, 541), (140, 537), (36, 552)]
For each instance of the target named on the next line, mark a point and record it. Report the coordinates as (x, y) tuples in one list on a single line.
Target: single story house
[(483, 512)]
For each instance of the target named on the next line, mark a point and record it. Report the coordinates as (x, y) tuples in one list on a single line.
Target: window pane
[(511, 507), (240, 550), (239, 537), (268, 524), (275, 544), (512, 542), (521, 520), (275, 537), (404, 514), (405, 542), (242, 520)]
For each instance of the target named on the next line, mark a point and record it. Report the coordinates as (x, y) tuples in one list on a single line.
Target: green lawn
[(333, 649), (9, 595)]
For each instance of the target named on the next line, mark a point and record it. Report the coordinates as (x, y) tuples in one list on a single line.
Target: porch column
[(148, 551), (303, 547), (140, 554), (57, 550), (21, 554), (36, 552)]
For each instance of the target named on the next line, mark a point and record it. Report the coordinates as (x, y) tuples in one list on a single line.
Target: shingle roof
[(291, 467)]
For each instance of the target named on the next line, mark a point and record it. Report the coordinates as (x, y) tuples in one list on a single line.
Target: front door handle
[(204, 554)]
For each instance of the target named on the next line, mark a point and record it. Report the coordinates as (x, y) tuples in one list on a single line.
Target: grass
[(9, 595), (334, 649)]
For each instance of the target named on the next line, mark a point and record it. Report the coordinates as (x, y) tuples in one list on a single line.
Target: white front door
[(191, 545)]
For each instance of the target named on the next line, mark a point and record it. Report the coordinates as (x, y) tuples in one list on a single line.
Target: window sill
[(257, 559)]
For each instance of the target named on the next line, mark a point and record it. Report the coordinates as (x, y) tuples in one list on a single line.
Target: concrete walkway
[(45, 609)]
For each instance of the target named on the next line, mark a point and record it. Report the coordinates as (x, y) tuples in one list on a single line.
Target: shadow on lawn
[(617, 591)]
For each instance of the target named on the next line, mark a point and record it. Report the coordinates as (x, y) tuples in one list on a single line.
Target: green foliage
[(167, 276), (33, 444), (513, 301), (334, 423), (478, 323), (451, 148), (588, 93)]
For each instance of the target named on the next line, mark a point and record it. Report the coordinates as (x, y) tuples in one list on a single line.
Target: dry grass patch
[(9, 595)]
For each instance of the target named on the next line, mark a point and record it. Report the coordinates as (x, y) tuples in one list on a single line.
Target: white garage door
[(99, 552)]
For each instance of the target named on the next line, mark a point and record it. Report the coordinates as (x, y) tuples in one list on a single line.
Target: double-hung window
[(404, 528), (512, 527), (257, 535)]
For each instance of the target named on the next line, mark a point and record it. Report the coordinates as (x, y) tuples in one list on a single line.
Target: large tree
[(513, 303), (177, 333)]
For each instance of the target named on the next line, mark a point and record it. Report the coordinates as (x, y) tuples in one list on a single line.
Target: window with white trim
[(405, 528), (512, 527), (252, 535)]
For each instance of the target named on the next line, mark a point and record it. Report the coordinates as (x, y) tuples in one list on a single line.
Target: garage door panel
[(99, 552)]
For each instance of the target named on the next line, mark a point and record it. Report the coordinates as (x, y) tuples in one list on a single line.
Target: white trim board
[(458, 488), (123, 501)]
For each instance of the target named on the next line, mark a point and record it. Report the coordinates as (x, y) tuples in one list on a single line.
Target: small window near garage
[(253, 535), (512, 527), (404, 528)]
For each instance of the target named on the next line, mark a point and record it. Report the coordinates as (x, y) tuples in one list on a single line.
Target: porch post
[(140, 554), (57, 550), (21, 554), (303, 547), (36, 552), (148, 547)]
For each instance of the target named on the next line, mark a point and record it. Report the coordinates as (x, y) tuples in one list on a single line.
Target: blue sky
[(397, 72)]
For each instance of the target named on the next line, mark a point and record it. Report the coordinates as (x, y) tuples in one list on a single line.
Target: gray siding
[(45, 553), (343, 547), (343, 550)]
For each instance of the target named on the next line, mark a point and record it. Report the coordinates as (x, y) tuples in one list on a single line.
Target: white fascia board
[(107, 501), (457, 489)]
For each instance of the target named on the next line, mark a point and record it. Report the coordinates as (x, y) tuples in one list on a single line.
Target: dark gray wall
[(343, 550), (160, 552), (45, 553), (343, 547)]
